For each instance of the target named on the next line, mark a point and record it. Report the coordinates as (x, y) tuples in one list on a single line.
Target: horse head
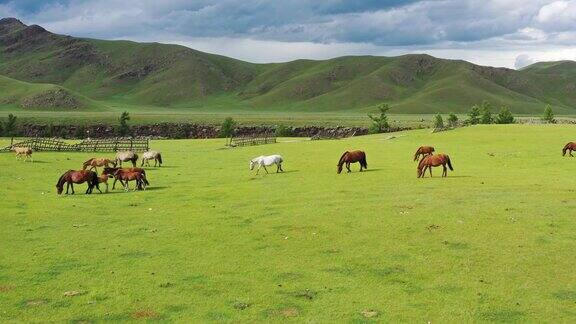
[(252, 164)]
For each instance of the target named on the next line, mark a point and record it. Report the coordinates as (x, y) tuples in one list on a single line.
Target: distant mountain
[(162, 75)]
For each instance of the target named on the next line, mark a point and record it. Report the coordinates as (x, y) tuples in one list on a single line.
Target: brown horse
[(430, 161), (93, 163), (352, 157), (423, 151), (569, 147), (71, 177), (126, 172), (103, 178)]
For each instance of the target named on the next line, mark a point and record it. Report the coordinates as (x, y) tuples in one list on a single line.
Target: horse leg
[(277, 167), (72, 186), (444, 171), (114, 183), (430, 169), (258, 170), (265, 169), (106, 183), (348, 167), (571, 153)]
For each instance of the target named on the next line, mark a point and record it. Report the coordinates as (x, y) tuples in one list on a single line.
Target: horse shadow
[(371, 170)]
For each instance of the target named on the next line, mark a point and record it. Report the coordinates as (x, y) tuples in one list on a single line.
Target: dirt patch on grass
[(145, 314), (370, 313), (35, 302), (6, 288), (287, 312)]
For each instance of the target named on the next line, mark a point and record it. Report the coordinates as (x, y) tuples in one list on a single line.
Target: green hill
[(159, 75)]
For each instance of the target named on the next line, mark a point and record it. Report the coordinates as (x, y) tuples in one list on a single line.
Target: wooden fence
[(267, 138), (99, 145)]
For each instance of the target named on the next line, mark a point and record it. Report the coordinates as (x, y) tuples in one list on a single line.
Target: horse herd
[(429, 160), (110, 170), (424, 154)]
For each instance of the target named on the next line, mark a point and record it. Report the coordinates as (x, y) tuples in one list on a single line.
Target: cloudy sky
[(510, 33)]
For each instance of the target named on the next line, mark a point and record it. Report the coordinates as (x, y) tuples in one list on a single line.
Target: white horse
[(151, 155), (264, 161)]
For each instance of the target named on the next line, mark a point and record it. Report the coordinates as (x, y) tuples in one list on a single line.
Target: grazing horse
[(151, 155), (71, 177), (423, 151), (93, 163), (126, 156), (569, 147), (352, 157), (26, 151), (127, 175), (430, 161), (112, 172), (264, 161)]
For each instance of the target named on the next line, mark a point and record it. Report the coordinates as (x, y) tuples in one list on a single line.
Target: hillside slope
[(162, 75)]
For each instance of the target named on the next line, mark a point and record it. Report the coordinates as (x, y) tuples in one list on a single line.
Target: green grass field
[(210, 241)]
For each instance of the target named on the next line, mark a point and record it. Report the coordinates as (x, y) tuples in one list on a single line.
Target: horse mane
[(61, 180), (86, 164), (416, 154), (341, 161)]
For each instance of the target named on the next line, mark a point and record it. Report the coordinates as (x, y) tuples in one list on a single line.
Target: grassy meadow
[(209, 241)]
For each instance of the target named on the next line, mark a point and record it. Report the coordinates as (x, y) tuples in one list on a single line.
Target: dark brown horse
[(71, 177), (352, 157), (423, 151), (569, 147), (123, 174), (430, 161)]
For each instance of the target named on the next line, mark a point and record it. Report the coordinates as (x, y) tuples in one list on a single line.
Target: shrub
[(227, 129), (473, 116), (505, 116), (9, 126), (548, 115), (380, 123), (283, 131), (124, 118), (486, 117), (438, 121), (452, 120)]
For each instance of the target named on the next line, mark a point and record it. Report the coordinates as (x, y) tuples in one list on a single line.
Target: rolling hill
[(97, 72)]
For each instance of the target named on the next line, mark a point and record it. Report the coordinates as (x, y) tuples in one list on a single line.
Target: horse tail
[(565, 149), (159, 158), (449, 163), (417, 152), (144, 179), (420, 166), (363, 162), (341, 161)]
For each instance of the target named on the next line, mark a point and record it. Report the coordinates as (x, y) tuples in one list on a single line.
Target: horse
[(93, 163), (423, 151), (352, 157), (430, 161), (26, 151), (71, 177), (569, 147), (126, 156), (103, 178), (264, 161), (112, 172), (127, 175), (151, 155)]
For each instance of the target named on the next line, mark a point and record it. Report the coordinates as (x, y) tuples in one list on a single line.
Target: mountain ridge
[(166, 75)]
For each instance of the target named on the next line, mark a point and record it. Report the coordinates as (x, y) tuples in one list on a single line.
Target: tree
[(10, 125), (486, 117), (380, 123), (505, 116), (124, 118), (438, 122), (452, 120), (228, 126), (548, 115), (474, 115)]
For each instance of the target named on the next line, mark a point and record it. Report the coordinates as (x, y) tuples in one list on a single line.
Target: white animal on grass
[(264, 161)]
